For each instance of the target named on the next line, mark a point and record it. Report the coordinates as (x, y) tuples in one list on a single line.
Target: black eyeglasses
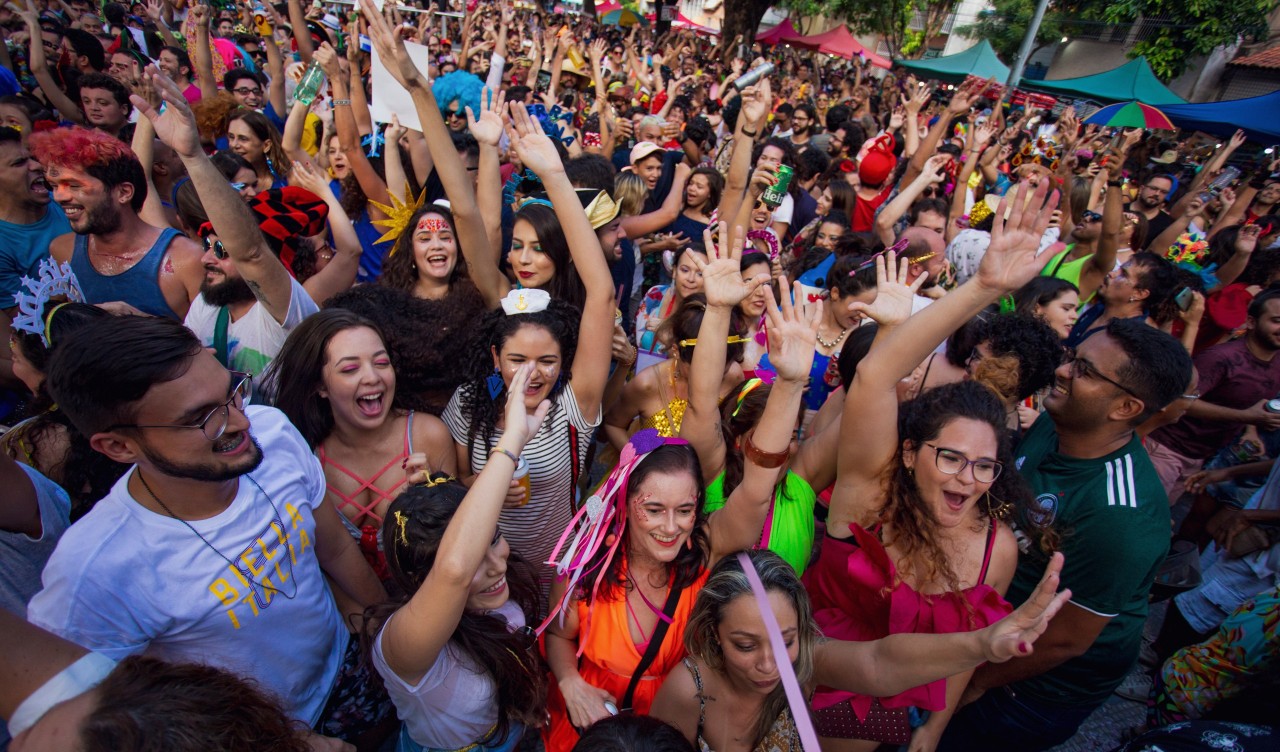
[(1081, 367), (219, 250), (214, 424), (245, 91), (1090, 216), (952, 462)]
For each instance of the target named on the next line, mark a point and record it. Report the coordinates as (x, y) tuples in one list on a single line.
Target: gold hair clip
[(401, 520), (431, 482), (733, 339)]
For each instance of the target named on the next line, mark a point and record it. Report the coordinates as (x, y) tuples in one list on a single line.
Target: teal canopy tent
[(1132, 81), (979, 60)]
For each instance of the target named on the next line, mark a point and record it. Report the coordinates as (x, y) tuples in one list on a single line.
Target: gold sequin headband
[(733, 339)]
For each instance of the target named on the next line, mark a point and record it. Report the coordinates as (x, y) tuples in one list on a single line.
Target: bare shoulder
[(1004, 559), (62, 246)]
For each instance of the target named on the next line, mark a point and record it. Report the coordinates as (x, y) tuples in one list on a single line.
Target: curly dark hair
[(914, 526), (1033, 345), (427, 339), (85, 474), (149, 705), (509, 657), (490, 335), (400, 269)]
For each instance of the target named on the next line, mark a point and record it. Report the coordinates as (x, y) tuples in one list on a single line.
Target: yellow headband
[(48, 321), (751, 385), (732, 340)]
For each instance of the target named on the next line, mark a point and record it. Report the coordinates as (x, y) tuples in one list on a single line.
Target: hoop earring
[(494, 383)]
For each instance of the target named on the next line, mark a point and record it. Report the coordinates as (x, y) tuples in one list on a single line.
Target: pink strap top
[(857, 596), (370, 485)]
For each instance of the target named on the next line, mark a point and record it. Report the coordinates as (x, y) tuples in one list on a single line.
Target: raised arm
[(198, 19), (724, 288), (870, 406), (487, 130), (964, 97), (340, 273), (232, 219), (413, 638), (751, 120), (155, 11), (793, 333), (472, 239), (38, 63), (591, 364), (291, 139), (932, 174), (298, 20), (640, 225), (275, 74), (344, 122)]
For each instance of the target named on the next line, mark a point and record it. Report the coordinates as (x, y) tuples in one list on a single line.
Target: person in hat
[(248, 300), (874, 171)]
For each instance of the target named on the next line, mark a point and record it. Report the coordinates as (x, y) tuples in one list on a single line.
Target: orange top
[(610, 657)]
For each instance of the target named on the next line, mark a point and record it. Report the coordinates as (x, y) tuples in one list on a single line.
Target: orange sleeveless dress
[(610, 657)]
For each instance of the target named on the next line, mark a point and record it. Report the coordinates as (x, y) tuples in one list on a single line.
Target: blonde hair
[(630, 191)]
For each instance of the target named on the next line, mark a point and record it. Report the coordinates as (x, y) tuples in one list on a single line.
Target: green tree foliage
[(1189, 28), (1004, 23)]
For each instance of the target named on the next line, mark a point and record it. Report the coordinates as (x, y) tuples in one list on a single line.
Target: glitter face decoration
[(432, 224)]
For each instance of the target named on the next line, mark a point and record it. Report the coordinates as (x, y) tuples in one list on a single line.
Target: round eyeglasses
[(952, 462), (214, 423)]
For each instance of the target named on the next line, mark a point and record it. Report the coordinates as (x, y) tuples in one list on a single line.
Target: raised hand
[(793, 332), (307, 176), (389, 43), (1011, 260), (327, 58), (535, 149), (487, 128), (898, 117), (756, 101), (155, 8), (176, 127), (935, 169), (520, 425), (199, 14), (722, 280), (1247, 240), (1016, 634), (1237, 140), (894, 296)]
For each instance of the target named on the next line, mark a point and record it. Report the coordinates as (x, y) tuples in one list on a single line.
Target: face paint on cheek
[(428, 224)]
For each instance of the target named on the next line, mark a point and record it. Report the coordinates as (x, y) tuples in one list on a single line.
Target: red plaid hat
[(285, 215)]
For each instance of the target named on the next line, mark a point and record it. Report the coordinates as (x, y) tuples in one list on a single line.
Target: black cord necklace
[(242, 570)]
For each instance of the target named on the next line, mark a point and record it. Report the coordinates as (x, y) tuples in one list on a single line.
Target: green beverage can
[(774, 195)]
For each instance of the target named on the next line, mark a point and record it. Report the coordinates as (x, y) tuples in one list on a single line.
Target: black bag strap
[(655, 644)]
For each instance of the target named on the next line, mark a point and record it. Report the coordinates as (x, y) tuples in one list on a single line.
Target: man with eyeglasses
[(246, 87), (1099, 501), (1150, 204), (216, 546)]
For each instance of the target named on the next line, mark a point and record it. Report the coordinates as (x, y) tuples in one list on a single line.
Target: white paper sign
[(389, 97)]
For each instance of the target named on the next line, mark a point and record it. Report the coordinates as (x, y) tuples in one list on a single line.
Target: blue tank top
[(139, 285)]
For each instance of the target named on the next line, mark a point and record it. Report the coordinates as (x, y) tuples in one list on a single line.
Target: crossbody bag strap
[(655, 644), (220, 336)]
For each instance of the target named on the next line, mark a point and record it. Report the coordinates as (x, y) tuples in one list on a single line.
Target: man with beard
[(1150, 204), (248, 301), (804, 120), (117, 257), (215, 547), (1098, 500)]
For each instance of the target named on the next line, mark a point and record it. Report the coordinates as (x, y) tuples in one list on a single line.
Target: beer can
[(521, 476), (775, 194)]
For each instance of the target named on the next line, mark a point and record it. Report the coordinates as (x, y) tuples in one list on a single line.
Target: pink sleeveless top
[(855, 597)]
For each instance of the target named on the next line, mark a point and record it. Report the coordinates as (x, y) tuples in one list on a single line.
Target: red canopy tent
[(683, 21), (783, 33), (839, 42)]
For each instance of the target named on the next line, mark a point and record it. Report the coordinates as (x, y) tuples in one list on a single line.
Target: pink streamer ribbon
[(795, 696)]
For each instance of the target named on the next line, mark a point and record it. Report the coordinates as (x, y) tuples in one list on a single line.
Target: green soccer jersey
[(1112, 516)]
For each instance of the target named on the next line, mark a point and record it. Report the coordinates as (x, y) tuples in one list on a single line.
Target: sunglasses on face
[(1090, 216), (219, 250)]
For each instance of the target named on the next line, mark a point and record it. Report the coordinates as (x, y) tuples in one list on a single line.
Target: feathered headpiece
[(1189, 252), (1042, 151), (599, 525), (53, 280)]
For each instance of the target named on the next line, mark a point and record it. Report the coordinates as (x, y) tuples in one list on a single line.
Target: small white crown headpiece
[(54, 280), (525, 300)]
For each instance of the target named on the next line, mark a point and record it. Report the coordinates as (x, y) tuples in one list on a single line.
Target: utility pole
[(1024, 51)]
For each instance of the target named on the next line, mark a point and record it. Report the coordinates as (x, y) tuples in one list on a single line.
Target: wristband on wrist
[(749, 134), (1115, 183), (342, 103), (500, 450)]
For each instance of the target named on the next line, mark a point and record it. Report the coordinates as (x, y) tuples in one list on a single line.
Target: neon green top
[(790, 533)]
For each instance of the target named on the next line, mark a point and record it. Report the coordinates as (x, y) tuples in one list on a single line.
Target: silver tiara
[(54, 280)]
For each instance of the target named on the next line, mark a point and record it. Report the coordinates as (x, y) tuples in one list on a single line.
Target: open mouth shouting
[(370, 405)]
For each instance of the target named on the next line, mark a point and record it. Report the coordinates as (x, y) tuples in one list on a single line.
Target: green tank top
[(790, 531), (1070, 271)]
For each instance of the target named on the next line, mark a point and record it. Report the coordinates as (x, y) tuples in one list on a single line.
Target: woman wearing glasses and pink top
[(913, 540)]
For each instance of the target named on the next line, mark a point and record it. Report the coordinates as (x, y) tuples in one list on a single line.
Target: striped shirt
[(533, 529)]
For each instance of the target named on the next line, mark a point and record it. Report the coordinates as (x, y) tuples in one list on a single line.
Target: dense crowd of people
[(473, 378)]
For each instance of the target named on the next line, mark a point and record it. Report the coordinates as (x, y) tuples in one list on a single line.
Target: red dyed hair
[(101, 156)]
